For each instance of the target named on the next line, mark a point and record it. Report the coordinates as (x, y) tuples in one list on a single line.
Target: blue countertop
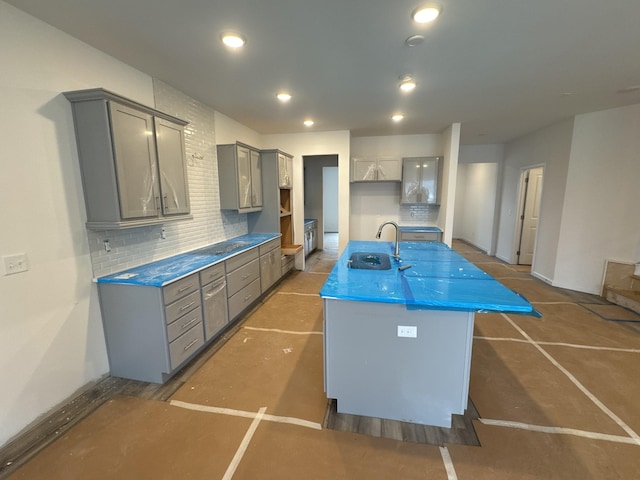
[(414, 228), (438, 279), (162, 272)]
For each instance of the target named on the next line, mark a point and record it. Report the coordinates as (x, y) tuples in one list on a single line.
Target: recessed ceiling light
[(233, 40), (426, 14), (407, 83), (414, 40), (308, 123), (283, 96), (397, 117)]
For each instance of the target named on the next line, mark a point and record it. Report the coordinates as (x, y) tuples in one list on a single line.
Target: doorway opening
[(528, 214), (321, 197)]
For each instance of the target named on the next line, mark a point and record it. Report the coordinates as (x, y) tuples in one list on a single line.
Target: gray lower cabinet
[(420, 236), (270, 264), (151, 331), (132, 159), (214, 300), (243, 281)]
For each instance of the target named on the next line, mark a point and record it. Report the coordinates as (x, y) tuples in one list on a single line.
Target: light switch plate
[(15, 263)]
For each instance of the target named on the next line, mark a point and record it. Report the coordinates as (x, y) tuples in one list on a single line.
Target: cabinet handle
[(190, 304), (189, 323), (186, 287), (165, 203), (247, 297), (244, 277), (157, 203), (190, 345)]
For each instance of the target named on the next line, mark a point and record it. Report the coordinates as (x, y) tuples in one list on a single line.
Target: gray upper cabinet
[(132, 159), (420, 177), (285, 170), (376, 170), (240, 178)]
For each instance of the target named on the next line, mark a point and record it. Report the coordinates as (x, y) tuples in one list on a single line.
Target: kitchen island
[(397, 342)]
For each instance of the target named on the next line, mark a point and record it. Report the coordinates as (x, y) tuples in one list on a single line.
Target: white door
[(530, 215)]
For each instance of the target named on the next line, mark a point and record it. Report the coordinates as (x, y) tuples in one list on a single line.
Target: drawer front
[(186, 345), (243, 298), (270, 269), (211, 273), (287, 263), (420, 236), (184, 323), (182, 306), (242, 259), (179, 289), (242, 277), (270, 245), (214, 305)]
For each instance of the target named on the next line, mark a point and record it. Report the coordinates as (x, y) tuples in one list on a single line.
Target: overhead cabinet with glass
[(376, 170), (420, 178), (240, 178), (132, 159)]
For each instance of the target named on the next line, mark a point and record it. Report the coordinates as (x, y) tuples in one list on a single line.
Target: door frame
[(520, 206)]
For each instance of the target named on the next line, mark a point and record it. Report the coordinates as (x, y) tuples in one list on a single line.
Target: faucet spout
[(396, 252)]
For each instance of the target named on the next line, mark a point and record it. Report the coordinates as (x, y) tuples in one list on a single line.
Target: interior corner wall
[(550, 147), (479, 167), (451, 143), (601, 214), (229, 131)]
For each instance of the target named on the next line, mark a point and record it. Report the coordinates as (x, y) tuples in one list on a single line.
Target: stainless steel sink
[(369, 261)]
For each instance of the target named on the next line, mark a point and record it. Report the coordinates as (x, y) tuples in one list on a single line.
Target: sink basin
[(369, 261)]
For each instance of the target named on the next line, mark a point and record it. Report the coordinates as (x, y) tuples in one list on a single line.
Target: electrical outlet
[(407, 331), (15, 263)]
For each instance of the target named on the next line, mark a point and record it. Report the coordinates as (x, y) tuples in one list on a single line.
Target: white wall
[(51, 338), (601, 210), (551, 148), (321, 143), (451, 139), (229, 131)]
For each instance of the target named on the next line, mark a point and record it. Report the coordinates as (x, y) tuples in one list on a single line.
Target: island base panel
[(371, 371)]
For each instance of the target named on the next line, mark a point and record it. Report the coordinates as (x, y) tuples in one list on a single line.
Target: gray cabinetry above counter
[(376, 170), (240, 178), (420, 180), (132, 159)]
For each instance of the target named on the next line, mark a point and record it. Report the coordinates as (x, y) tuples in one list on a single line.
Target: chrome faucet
[(396, 252)]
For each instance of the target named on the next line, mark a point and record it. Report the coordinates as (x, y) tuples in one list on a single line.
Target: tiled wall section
[(419, 214), (137, 246)]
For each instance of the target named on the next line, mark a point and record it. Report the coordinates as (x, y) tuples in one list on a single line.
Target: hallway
[(556, 396)]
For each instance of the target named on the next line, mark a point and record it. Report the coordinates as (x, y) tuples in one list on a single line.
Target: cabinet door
[(389, 169), (429, 180), (173, 167), (285, 166), (363, 170), (411, 180), (135, 159), (256, 179), (244, 177)]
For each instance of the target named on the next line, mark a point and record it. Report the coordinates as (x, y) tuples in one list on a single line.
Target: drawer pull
[(189, 323), (191, 345), (247, 297), (244, 277), (186, 287), (190, 304)]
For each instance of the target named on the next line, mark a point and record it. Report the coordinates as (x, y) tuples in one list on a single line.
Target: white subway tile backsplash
[(136, 246)]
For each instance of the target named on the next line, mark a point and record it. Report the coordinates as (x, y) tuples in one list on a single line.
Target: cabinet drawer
[(179, 289), (270, 245), (420, 236), (243, 298), (211, 273), (242, 276), (182, 306), (186, 345), (242, 259), (184, 323)]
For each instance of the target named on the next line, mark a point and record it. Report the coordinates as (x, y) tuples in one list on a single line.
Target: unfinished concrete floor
[(557, 399)]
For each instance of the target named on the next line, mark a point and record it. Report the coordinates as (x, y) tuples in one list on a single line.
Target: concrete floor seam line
[(448, 464), (231, 469), (577, 383), (560, 344), (277, 330), (560, 431), (512, 278), (300, 294), (244, 414)]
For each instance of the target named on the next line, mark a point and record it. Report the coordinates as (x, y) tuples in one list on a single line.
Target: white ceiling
[(501, 68)]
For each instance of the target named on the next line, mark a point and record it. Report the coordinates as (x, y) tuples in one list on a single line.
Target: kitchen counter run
[(162, 272)]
